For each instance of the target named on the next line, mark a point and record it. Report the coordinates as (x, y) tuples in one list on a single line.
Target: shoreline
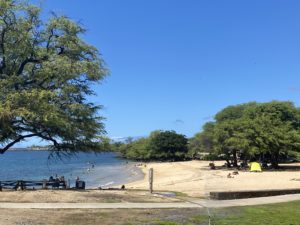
[(135, 175), (191, 178), (96, 169)]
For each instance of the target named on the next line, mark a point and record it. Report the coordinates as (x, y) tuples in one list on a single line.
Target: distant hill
[(32, 148)]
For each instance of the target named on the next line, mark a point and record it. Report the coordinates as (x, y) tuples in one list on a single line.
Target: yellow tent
[(255, 167)]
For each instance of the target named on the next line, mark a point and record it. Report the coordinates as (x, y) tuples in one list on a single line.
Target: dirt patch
[(93, 216), (86, 196)]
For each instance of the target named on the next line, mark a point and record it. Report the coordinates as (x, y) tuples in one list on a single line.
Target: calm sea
[(103, 169)]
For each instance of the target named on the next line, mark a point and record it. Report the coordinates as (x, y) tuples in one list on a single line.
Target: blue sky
[(175, 63)]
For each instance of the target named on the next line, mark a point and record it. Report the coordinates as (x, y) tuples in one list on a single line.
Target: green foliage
[(202, 142), (160, 145), (211, 157), (167, 145), (253, 130), (294, 154), (46, 71), (137, 149)]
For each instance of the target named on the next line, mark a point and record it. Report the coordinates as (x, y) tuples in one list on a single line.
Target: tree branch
[(2, 150), (49, 138), (25, 62), (3, 64), (49, 40)]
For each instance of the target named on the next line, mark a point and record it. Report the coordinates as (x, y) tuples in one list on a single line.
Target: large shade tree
[(273, 130), (261, 131), (46, 72), (229, 132)]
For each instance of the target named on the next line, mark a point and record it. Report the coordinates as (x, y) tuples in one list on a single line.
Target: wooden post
[(151, 180)]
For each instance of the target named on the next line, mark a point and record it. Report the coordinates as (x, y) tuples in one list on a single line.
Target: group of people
[(60, 181), (61, 178), (139, 164), (57, 181), (92, 166)]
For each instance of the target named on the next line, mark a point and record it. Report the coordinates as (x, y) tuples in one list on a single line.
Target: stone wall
[(251, 194)]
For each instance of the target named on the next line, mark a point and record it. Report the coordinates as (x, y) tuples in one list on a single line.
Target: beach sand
[(192, 178), (196, 179)]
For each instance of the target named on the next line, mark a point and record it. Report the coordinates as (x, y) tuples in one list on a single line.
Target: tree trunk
[(234, 158), (274, 160), (228, 162)]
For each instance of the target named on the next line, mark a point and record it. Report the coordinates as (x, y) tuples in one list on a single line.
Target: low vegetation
[(284, 214)]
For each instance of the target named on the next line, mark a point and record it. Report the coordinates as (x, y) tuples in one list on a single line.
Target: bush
[(161, 145)]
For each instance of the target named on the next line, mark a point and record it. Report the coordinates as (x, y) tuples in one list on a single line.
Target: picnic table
[(22, 185)]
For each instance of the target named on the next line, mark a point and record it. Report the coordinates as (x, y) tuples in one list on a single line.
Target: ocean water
[(102, 169)]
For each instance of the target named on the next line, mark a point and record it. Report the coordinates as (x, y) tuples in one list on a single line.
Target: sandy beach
[(192, 178), (196, 179)]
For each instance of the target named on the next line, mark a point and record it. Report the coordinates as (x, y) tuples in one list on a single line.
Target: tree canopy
[(46, 72), (160, 145), (254, 131)]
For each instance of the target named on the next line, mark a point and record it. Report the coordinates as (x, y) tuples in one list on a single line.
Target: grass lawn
[(283, 213), (276, 214)]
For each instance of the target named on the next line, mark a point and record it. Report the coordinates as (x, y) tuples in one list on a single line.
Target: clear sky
[(176, 63)]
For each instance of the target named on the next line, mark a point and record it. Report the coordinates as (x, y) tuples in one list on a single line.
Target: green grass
[(276, 214), (199, 219), (167, 223), (273, 214)]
